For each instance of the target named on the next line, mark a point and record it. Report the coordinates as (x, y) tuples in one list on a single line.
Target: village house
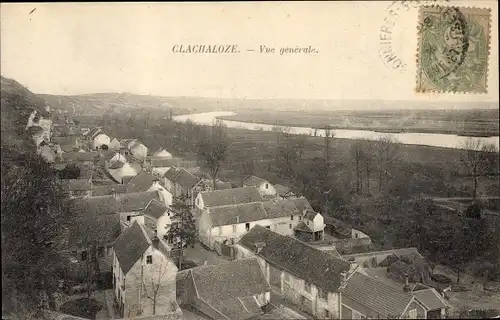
[(284, 192), (230, 290), (115, 145), (227, 224), (305, 276), (311, 228), (36, 133), (144, 277), (163, 153), (208, 185), (122, 171), (158, 166), (359, 302), (157, 217), (68, 143), (86, 158), (46, 152), (180, 183), (90, 234), (109, 189), (138, 150), (147, 182), (375, 258), (207, 199), (43, 121), (266, 189)]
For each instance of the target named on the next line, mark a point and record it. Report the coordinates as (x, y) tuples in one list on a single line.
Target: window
[(307, 287), (300, 218), (100, 251), (128, 218), (290, 226), (149, 259), (291, 217), (327, 313), (269, 227), (84, 255), (267, 186), (234, 228), (307, 222), (247, 226), (356, 235), (412, 314)]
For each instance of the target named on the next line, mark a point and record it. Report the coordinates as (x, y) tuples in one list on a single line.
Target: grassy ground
[(466, 122)]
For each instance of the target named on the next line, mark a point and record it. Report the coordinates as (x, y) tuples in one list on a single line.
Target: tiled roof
[(377, 296), (254, 181), (104, 190), (118, 164), (162, 150), (281, 208), (431, 299), (163, 162), (155, 209), (239, 213), (230, 196), (298, 258), (79, 185), (238, 308), (229, 280), (108, 204), (94, 131), (103, 229), (310, 215), (397, 252), (282, 190), (141, 182), (186, 179), (301, 203), (130, 246), (302, 227)]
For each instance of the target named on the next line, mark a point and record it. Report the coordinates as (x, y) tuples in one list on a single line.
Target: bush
[(83, 307)]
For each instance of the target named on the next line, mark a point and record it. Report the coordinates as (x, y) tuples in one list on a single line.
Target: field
[(461, 122)]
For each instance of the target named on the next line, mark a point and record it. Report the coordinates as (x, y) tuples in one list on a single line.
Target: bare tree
[(328, 134), (154, 279), (213, 150), (367, 160), (357, 154), (387, 150), (477, 158)]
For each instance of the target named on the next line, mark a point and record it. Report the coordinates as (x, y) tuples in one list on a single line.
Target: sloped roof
[(219, 283), (239, 213), (377, 296), (254, 181), (109, 189), (163, 162), (431, 299), (230, 196), (109, 204), (302, 227), (282, 190), (118, 164), (130, 246), (397, 252), (298, 258), (103, 229), (281, 208), (182, 177), (93, 132), (141, 182), (301, 203), (162, 150), (155, 209), (310, 215)]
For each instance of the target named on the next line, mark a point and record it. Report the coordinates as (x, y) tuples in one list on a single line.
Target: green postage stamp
[(453, 49)]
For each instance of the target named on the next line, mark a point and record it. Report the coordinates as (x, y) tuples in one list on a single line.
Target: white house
[(138, 150), (307, 277), (147, 182), (157, 217), (207, 199), (99, 140), (163, 153), (311, 228), (266, 189), (144, 277), (228, 223), (158, 166), (121, 171), (115, 144)]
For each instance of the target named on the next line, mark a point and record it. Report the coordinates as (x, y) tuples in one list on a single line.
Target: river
[(424, 139)]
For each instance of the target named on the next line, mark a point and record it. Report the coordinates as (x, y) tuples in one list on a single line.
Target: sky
[(102, 47)]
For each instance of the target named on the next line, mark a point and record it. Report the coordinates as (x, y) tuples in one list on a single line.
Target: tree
[(71, 171), (357, 154), (183, 231), (213, 150), (154, 279), (328, 134), (32, 230), (477, 158), (387, 150)]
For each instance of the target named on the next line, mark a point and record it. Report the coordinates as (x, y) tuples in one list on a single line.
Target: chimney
[(259, 246), (155, 241), (406, 287)]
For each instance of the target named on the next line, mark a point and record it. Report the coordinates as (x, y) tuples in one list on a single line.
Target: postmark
[(453, 49)]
